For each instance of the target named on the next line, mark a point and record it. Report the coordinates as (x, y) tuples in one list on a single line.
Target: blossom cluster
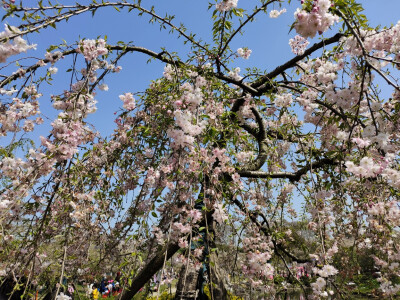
[(129, 101), (169, 72), (75, 105), (298, 44), (367, 168), (12, 45), (91, 49), (51, 57), (386, 40), (318, 288), (327, 271), (283, 100), (19, 110), (276, 13), (234, 74), (187, 127), (244, 53), (389, 210), (63, 296), (259, 252), (318, 20), (68, 136), (226, 5), (219, 214)]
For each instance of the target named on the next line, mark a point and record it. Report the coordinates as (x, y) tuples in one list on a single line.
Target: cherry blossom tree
[(207, 146)]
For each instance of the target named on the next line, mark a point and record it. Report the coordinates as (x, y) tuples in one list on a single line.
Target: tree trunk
[(149, 270), (218, 286), (187, 287), (189, 284), (191, 281)]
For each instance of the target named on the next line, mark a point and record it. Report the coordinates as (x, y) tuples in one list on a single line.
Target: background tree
[(203, 147)]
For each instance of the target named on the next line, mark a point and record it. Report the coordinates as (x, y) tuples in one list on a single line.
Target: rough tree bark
[(189, 284), (187, 287), (149, 270)]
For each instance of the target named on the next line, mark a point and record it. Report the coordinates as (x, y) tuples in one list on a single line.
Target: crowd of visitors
[(106, 288)]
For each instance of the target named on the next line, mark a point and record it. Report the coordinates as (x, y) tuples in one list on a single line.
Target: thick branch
[(261, 128), (292, 176), (240, 84), (251, 130), (262, 143), (263, 83), (149, 270)]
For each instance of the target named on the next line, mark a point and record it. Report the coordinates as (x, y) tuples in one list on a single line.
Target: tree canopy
[(235, 175)]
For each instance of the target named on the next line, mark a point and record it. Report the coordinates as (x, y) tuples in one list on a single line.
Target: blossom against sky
[(267, 52)]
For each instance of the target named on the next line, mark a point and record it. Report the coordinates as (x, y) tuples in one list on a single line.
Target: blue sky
[(268, 38)]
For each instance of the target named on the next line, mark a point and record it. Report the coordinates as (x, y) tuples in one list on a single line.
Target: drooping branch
[(249, 18), (45, 23), (31, 69), (159, 56), (365, 52), (79, 9), (267, 231), (261, 128), (271, 133), (251, 130), (126, 49)]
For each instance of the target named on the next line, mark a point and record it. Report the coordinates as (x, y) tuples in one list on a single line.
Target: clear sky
[(268, 38)]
